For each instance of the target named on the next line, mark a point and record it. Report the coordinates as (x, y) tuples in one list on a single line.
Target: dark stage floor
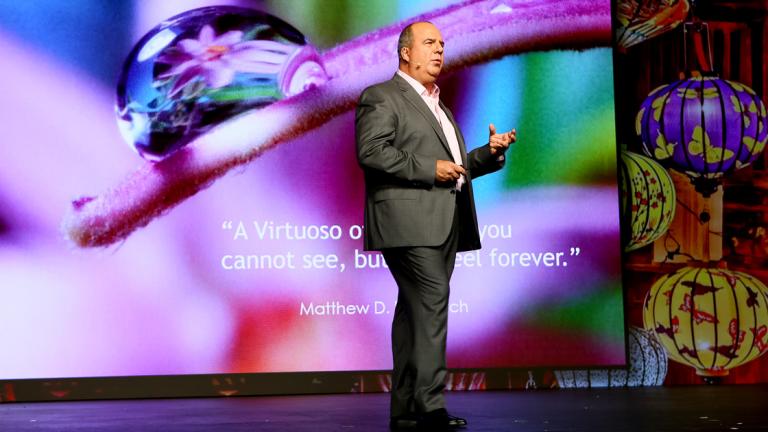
[(696, 408)]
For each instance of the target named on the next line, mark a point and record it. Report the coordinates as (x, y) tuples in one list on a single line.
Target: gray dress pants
[(420, 323)]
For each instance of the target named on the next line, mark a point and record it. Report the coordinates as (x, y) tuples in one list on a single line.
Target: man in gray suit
[(419, 212)]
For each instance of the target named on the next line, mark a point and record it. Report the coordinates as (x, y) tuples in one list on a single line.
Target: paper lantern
[(639, 20), (710, 319), (647, 200), (647, 366), (704, 127)]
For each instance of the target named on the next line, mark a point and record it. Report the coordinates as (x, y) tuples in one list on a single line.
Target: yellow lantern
[(709, 318)]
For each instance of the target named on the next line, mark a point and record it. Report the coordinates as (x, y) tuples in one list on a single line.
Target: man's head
[(420, 48)]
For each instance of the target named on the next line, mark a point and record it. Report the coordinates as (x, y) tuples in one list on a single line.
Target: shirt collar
[(419, 87)]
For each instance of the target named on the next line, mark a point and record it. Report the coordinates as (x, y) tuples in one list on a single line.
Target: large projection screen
[(263, 271)]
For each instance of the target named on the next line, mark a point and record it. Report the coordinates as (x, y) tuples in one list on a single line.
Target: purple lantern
[(703, 126)]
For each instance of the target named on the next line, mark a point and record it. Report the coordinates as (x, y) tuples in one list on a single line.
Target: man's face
[(425, 55)]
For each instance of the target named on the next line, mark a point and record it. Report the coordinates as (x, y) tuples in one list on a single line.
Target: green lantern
[(647, 200)]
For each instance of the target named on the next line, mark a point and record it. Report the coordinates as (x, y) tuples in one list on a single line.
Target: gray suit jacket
[(398, 144)]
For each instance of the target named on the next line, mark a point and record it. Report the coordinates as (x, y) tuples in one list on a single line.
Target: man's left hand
[(500, 142)]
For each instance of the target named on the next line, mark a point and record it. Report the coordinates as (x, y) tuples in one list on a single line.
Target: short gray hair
[(406, 37), (405, 40)]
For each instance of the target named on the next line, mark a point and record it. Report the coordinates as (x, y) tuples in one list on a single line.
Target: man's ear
[(404, 54)]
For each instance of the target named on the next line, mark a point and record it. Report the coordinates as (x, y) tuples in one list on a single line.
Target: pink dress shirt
[(432, 100)]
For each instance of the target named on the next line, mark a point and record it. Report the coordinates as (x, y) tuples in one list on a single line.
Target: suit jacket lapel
[(421, 106)]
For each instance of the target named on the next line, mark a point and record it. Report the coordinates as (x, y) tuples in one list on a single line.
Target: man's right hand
[(447, 171)]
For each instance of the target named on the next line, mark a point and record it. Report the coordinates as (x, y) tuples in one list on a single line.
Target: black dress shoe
[(456, 421), (439, 419), (404, 422)]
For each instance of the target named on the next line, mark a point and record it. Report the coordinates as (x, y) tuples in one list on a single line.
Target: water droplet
[(205, 66)]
